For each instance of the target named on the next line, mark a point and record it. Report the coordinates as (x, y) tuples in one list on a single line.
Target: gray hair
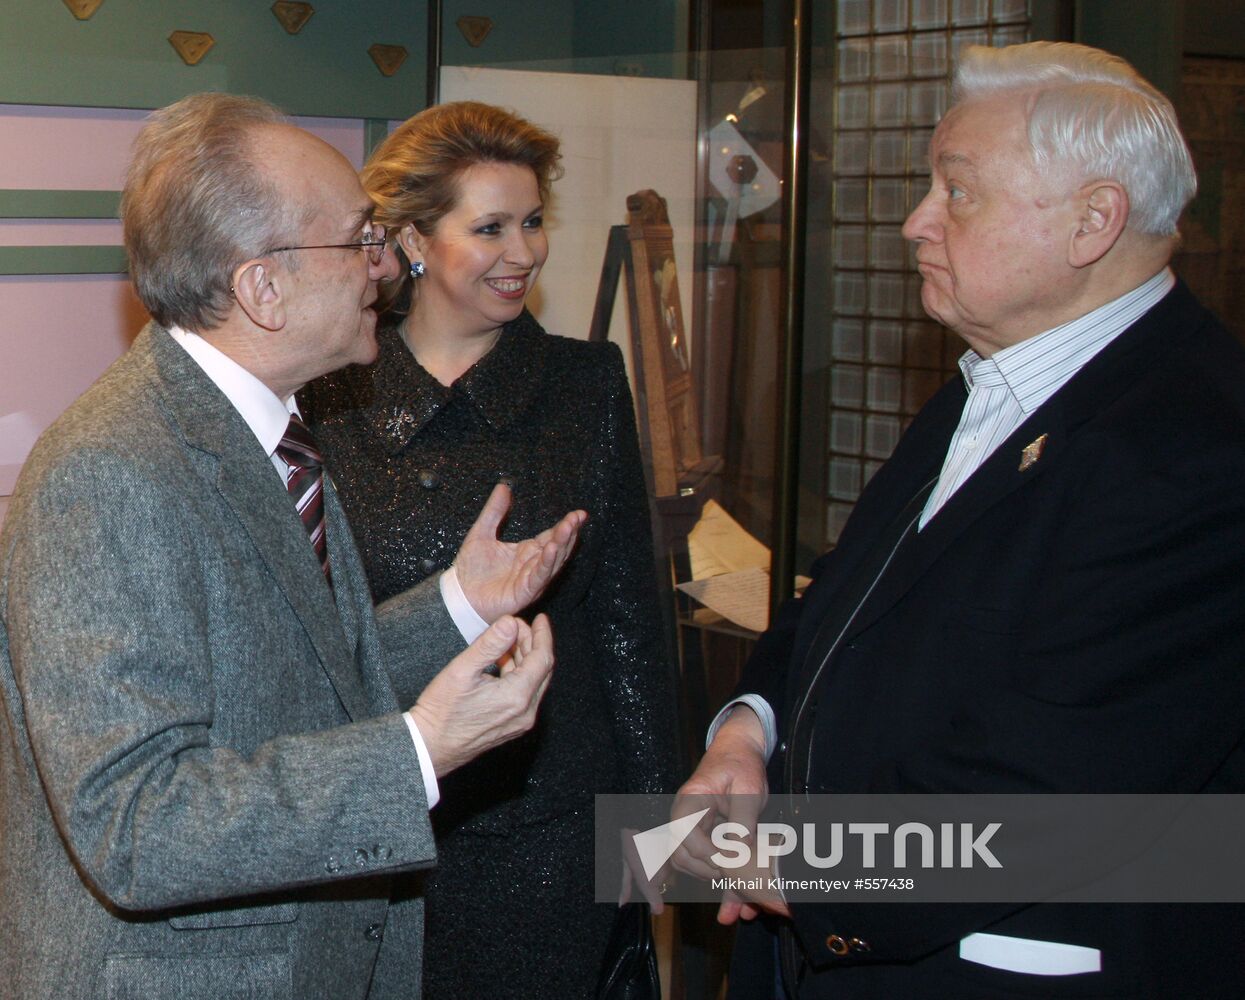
[(196, 205), (1096, 116)]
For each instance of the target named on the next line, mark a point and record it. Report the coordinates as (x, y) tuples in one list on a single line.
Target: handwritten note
[(730, 570), (742, 596)]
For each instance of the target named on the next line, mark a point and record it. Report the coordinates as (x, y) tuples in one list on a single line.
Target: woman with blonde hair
[(469, 391)]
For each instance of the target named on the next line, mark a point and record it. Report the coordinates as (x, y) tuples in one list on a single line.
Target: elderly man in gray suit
[(208, 785)]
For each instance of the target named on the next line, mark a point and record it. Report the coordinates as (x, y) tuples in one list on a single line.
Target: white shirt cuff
[(425, 762), (762, 708), (469, 624)]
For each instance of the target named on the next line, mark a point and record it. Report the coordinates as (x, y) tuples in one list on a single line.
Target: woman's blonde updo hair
[(413, 175)]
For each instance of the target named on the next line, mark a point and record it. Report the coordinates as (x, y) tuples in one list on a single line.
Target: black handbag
[(629, 970)]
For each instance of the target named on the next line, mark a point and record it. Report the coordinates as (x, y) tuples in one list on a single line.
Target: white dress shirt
[(1005, 388), (267, 417)]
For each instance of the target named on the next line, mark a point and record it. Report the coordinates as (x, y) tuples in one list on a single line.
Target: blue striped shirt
[(1004, 389)]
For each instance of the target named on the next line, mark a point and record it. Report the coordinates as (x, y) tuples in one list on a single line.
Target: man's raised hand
[(502, 578), (466, 710)]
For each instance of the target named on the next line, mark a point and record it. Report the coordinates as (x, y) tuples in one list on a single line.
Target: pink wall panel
[(59, 332), (88, 148), (344, 133), (59, 232), (65, 147)]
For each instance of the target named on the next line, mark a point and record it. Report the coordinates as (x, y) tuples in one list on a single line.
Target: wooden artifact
[(83, 9), (673, 418), (292, 16), (388, 58), (192, 46), (474, 29)]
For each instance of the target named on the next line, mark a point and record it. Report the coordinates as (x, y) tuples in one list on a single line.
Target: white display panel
[(619, 135)]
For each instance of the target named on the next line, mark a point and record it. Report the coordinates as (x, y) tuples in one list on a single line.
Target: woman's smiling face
[(486, 252)]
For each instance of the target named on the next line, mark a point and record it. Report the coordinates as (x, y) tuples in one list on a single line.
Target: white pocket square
[(1037, 958)]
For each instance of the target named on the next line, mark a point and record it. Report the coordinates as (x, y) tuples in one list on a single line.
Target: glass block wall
[(891, 84)]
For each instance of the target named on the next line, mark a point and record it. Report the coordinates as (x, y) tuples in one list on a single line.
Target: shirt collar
[(264, 413), (499, 386), (1035, 369)]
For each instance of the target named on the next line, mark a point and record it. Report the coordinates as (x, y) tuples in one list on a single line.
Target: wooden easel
[(643, 250)]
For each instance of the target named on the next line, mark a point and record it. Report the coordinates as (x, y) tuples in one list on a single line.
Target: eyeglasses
[(373, 242)]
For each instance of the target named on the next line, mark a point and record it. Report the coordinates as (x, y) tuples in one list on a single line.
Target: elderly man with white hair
[(1043, 590)]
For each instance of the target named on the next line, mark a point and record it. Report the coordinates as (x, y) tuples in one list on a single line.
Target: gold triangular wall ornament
[(83, 9), (191, 45), (475, 29), (387, 57), (293, 16)]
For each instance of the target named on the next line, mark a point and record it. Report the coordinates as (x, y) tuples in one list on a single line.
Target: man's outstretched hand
[(730, 781), (469, 707), (502, 578)]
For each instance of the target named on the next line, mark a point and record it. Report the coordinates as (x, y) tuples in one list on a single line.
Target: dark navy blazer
[(1074, 626)]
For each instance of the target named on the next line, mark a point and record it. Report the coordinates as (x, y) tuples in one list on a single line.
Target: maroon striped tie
[(305, 482)]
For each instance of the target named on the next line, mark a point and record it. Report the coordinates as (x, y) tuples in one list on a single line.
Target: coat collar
[(231, 458), (1104, 378), (499, 386)]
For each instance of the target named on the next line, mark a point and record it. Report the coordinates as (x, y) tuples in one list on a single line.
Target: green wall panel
[(522, 31), (18, 204), (122, 58), (640, 41), (375, 131), (62, 260), (641, 37)]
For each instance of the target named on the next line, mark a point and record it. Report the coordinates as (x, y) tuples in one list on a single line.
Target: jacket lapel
[(1020, 459), (998, 477), (836, 603), (354, 603), (243, 475)]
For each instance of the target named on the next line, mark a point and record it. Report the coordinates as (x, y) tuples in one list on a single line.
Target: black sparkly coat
[(414, 462)]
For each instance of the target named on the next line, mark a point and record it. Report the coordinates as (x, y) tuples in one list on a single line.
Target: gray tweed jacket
[(206, 786)]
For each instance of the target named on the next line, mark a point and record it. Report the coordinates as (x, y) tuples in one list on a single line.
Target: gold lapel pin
[(1032, 452)]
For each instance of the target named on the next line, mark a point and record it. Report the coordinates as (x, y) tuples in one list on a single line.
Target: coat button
[(428, 479), (427, 566), (858, 945), (374, 932), (332, 866), (837, 945)]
